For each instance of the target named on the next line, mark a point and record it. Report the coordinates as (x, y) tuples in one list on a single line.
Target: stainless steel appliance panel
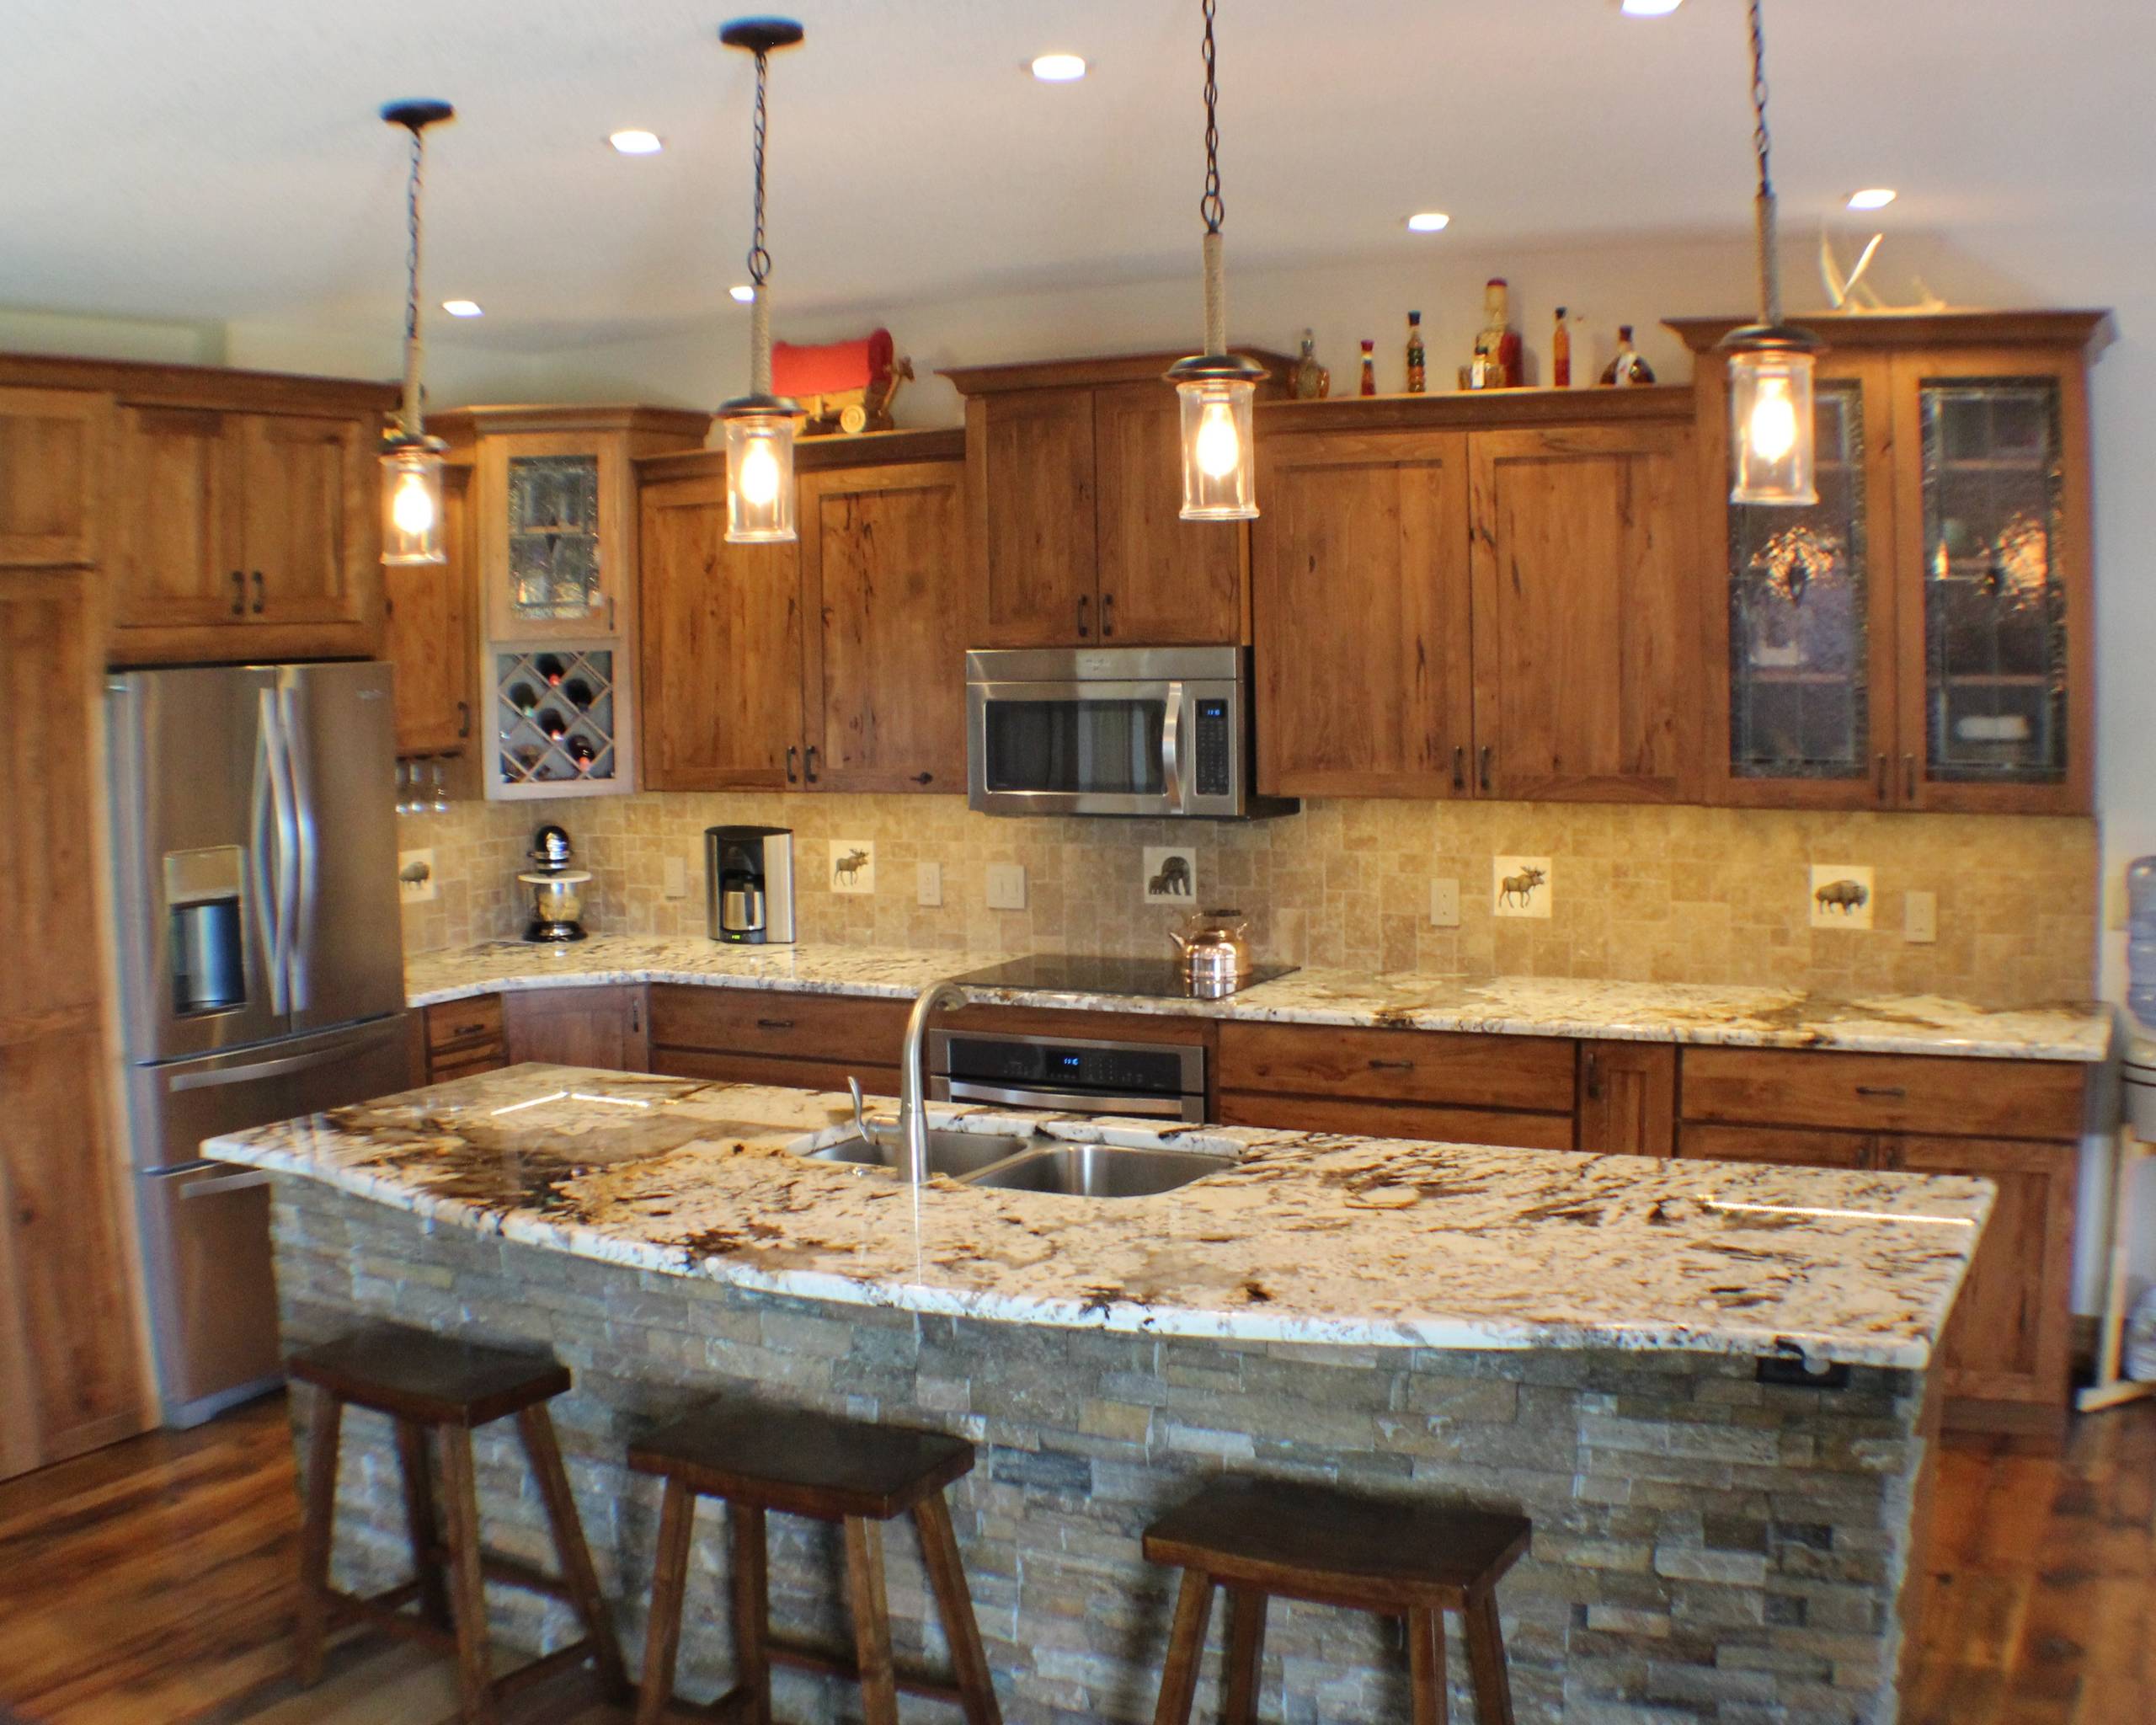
[(1069, 1074)]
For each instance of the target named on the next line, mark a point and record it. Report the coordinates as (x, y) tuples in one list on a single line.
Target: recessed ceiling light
[(1059, 69), (1876, 197), (463, 308), (636, 143), (1651, 9), (743, 293), (1429, 221)]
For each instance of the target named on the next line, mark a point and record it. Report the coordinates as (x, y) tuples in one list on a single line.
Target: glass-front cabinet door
[(1993, 626), (1811, 618), (552, 549)]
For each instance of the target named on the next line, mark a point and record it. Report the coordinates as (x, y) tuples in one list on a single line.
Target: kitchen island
[(1578, 1338)]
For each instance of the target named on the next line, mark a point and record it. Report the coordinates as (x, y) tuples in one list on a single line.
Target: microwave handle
[(1172, 749)]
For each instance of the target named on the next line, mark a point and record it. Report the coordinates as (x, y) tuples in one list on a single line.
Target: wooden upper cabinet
[(1360, 613), (429, 639), (1586, 672), (721, 647), (176, 565), (55, 459), (1035, 551), (882, 555), (1164, 581), (307, 487)]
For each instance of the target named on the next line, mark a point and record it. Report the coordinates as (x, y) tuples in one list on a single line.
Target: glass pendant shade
[(411, 503), (759, 472), (1219, 456), (1771, 429)]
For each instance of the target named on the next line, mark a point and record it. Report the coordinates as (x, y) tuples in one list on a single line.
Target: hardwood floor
[(152, 1583)]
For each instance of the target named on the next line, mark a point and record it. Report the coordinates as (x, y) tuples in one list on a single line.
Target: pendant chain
[(1771, 282), (759, 260), (1210, 206)]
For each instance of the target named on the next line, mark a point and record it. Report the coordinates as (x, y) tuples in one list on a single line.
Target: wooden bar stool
[(1258, 1538), (427, 1384), (861, 1475)]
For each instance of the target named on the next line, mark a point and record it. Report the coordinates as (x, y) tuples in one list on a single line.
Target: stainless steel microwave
[(1149, 731)]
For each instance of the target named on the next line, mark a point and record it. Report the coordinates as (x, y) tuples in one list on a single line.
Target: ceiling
[(221, 159)]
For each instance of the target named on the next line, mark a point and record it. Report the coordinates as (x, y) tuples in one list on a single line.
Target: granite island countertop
[(1726, 1015), (1300, 1237)]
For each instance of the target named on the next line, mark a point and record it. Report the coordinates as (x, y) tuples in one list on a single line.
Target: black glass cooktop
[(1079, 973)]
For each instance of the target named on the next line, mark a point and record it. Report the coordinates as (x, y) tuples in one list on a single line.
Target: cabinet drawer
[(1393, 1119), (462, 1063), (1884, 1092), (464, 1024), (1466, 1070), (1786, 1147), (741, 1021), (763, 1069)]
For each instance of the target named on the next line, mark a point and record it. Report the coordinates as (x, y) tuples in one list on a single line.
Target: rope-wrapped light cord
[(410, 417), (760, 259), (1209, 205), (1770, 275)]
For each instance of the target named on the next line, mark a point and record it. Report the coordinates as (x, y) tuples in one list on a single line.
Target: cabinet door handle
[(1084, 601), (1884, 1092), (239, 592), (259, 599), (1107, 616), (463, 719), (808, 764), (1392, 1065), (924, 778), (1909, 778), (793, 754), (1594, 1076), (774, 1024), (1459, 767), (1485, 751), (1881, 775)]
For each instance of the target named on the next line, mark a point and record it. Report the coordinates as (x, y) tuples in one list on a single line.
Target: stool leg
[(1246, 1652), (669, 1582), (1186, 1648), (535, 1426), (954, 1604), (871, 1621), (751, 1609), (316, 1533), (420, 1521), (1426, 1664), (1486, 1662), (475, 1671)]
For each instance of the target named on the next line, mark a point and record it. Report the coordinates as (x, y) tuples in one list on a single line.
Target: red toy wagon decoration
[(843, 385)]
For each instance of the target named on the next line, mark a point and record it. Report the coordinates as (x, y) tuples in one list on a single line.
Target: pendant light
[(1217, 387), (411, 460), (1769, 362), (760, 425)]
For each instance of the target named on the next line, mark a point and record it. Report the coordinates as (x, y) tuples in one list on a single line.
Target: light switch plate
[(1006, 886), (928, 883), (677, 878), (1920, 918), (1445, 904)]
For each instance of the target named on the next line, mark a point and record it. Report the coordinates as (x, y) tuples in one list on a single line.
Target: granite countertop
[(1513, 1006), (1301, 1238)]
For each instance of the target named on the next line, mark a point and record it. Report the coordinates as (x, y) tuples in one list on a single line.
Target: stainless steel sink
[(1101, 1170), (956, 1154)]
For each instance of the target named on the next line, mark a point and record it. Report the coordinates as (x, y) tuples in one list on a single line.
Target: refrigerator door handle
[(216, 1077), (264, 867), (292, 724), (282, 797), (221, 1184)]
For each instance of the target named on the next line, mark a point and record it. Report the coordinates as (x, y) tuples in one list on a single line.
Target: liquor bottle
[(1628, 367), (1415, 355), (581, 751), (1560, 355), (551, 668), (1497, 363), (1310, 375), (1369, 368), (552, 724)]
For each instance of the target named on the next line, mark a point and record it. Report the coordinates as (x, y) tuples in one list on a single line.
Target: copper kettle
[(1215, 949)]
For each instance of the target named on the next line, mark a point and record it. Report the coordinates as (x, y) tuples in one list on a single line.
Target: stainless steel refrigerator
[(262, 971)]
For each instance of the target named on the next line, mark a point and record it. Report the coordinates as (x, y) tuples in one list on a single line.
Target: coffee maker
[(749, 873)]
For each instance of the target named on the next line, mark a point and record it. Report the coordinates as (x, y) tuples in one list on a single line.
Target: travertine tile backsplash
[(1644, 894)]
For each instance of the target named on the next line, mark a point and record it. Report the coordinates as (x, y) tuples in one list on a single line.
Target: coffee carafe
[(749, 872)]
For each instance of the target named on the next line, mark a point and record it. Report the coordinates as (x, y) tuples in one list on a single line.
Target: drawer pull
[(1885, 1092), (1392, 1065), (468, 1030), (774, 1024)]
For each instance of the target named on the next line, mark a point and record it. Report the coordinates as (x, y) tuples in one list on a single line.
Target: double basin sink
[(1034, 1163)]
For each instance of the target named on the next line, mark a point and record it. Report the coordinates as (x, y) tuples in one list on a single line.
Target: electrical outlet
[(1006, 886), (928, 883), (1445, 904), (677, 878), (1920, 918)]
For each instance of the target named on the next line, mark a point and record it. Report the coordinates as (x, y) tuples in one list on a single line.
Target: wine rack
[(560, 727)]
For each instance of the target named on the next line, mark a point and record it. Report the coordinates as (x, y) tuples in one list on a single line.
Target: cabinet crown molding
[(1092, 373), (2089, 331)]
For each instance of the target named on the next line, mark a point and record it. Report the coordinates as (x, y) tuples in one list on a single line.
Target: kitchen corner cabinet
[(602, 1027), (1921, 637), (1476, 596), (56, 450), (428, 634), (1074, 496), (836, 663)]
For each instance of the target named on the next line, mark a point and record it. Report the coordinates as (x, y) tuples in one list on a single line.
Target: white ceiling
[(221, 159)]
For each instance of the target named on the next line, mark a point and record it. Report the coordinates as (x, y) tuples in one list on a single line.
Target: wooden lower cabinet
[(602, 1027), (459, 1038), (1786, 1147), (1368, 1119), (759, 1036), (1628, 1098)]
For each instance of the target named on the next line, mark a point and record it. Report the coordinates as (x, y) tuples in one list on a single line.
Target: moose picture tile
[(1171, 875), (1841, 895), (1519, 886), (853, 865)]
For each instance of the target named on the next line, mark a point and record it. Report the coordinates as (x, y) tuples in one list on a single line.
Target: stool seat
[(804, 1464), (1315, 1543), (435, 1379)]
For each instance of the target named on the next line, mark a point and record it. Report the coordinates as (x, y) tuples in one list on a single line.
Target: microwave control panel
[(1215, 750)]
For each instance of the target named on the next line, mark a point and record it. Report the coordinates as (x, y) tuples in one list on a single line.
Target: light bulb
[(758, 474), (412, 506), (1220, 450), (1772, 429)]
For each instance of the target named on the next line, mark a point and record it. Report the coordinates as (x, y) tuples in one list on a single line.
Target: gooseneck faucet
[(912, 1078)]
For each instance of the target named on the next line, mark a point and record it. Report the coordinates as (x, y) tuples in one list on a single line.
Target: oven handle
[(1172, 749), (1169, 1108)]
